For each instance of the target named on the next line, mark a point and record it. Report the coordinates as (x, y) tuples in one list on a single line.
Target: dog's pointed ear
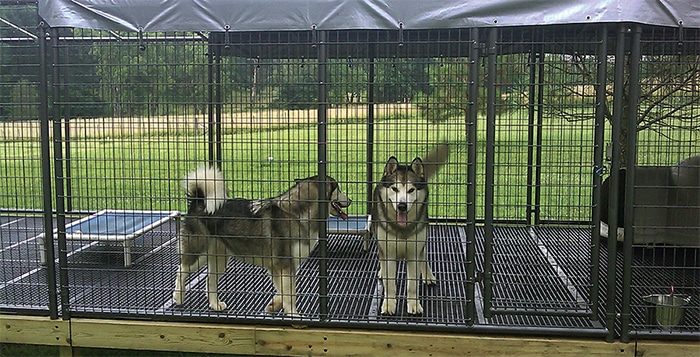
[(391, 166), (417, 167)]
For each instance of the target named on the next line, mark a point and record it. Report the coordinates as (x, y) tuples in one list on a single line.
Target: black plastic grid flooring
[(546, 269)]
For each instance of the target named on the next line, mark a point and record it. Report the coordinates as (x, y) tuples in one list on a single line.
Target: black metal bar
[(618, 96), (370, 128), (46, 177), (532, 88), (68, 172), (538, 135), (210, 104), (471, 127), (64, 115), (541, 312), (216, 130), (490, 174), (18, 2), (59, 181), (579, 332), (598, 152), (322, 174), (656, 334), (631, 163)]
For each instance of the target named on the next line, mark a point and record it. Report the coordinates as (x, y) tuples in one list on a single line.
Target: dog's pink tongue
[(343, 215), (401, 218)]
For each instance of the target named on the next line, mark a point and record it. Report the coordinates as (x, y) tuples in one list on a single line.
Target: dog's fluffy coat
[(275, 233), (400, 224)]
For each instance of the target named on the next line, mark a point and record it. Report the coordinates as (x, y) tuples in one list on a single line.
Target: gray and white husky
[(400, 225), (275, 233)]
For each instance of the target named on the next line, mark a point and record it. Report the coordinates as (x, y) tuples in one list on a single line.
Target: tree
[(668, 100), (399, 80), (19, 61), (298, 88)]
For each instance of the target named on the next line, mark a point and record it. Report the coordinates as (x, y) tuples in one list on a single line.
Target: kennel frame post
[(490, 174), (59, 177), (532, 93), (598, 152), (631, 163), (618, 91), (370, 127), (471, 127), (66, 142), (46, 167), (534, 136), (322, 174), (210, 95), (538, 135), (214, 132)]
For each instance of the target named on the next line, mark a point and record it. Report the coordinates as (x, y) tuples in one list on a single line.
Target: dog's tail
[(206, 188), (435, 159)]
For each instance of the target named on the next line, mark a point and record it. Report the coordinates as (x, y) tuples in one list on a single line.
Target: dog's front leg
[(276, 302), (289, 300), (216, 266), (187, 266), (285, 297), (426, 272), (413, 303), (388, 271)]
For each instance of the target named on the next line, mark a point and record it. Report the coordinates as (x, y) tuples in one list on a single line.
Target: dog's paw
[(292, 314), (414, 307), (430, 279), (179, 297), (274, 305), (389, 307), (217, 305)]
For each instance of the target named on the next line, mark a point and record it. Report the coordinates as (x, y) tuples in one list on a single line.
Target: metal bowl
[(666, 310)]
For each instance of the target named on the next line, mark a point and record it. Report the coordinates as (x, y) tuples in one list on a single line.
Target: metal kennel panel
[(539, 164), (24, 279), (129, 121), (301, 103), (24, 132), (662, 221)]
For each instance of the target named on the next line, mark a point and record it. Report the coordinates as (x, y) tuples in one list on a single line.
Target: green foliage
[(298, 88)]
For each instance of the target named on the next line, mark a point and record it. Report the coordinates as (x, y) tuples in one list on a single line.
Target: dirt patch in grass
[(259, 119)]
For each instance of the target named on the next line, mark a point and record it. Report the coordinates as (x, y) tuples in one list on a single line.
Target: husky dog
[(275, 233), (400, 224)]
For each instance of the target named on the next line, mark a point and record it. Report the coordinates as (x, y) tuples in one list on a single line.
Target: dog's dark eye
[(411, 190), (395, 189)]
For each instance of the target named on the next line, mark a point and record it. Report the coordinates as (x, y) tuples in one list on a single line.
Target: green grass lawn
[(142, 170)]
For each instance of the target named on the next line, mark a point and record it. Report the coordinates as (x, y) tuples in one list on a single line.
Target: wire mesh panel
[(24, 280), (542, 133), (130, 115), (664, 284), (272, 132)]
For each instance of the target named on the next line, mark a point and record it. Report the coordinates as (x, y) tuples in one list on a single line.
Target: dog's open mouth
[(339, 210), (401, 218)]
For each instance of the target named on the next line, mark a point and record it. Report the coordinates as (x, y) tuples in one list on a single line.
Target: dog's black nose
[(402, 206)]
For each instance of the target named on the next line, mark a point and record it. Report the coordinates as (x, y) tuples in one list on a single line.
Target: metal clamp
[(142, 44), (227, 40), (601, 170), (314, 36)]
